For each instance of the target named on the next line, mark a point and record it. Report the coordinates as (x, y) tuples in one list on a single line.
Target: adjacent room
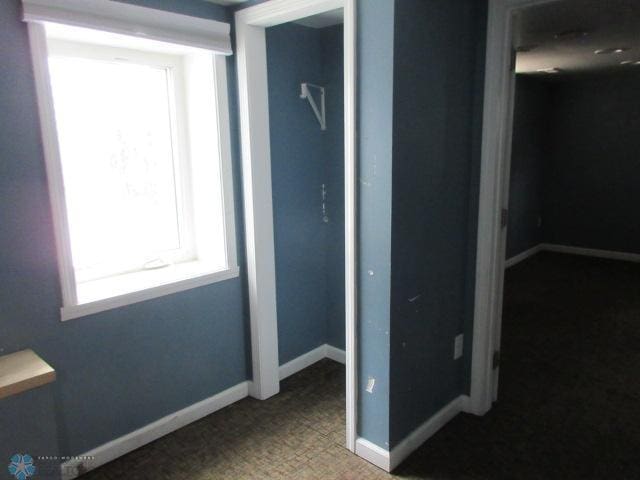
[(569, 348)]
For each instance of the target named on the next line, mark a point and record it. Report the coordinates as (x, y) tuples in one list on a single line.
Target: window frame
[(174, 67), (187, 275)]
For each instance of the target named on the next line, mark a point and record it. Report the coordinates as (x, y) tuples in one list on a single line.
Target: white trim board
[(374, 454), (307, 359), (389, 460), (133, 20), (335, 354), (493, 198), (250, 24), (120, 446), (587, 252), (591, 252), (522, 256)]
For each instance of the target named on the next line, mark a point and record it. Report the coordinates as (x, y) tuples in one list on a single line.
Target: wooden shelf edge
[(22, 371)]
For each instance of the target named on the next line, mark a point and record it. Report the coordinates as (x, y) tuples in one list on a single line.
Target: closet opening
[(306, 126), (296, 87)]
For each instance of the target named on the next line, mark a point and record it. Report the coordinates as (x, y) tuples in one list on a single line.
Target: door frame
[(250, 24), (494, 197)]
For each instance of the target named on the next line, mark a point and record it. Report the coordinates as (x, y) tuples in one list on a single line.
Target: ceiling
[(565, 34), (321, 20)]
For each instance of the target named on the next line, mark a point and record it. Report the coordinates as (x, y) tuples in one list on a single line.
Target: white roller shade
[(132, 20)]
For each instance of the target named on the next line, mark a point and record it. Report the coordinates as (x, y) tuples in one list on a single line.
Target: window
[(138, 164)]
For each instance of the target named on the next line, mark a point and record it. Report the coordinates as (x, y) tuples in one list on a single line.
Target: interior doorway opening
[(296, 64), (552, 48)]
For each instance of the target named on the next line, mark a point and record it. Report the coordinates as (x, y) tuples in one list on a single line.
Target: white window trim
[(76, 311), (70, 308), (134, 20)]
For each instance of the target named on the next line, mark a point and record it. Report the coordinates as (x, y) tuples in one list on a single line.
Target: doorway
[(511, 46), (264, 216)]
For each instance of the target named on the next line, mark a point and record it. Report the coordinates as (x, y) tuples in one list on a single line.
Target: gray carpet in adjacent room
[(569, 405)]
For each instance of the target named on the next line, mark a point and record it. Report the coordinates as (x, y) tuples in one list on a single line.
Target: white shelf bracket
[(319, 112)]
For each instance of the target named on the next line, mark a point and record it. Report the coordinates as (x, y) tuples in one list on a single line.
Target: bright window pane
[(114, 125)]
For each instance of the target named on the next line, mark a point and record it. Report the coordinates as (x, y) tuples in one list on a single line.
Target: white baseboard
[(303, 361), (587, 252), (389, 460), (522, 256), (136, 439), (372, 453), (129, 442), (307, 359), (421, 434), (335, 354), (465, 404), (591, 252)]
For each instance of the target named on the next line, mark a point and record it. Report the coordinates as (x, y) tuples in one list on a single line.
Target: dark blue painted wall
[(303, 158), (574, 163), (117, 370), (294, 55), (435, 90), (591, 192), (333, 60), (530, 148)]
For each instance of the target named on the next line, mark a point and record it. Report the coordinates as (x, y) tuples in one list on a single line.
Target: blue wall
[(303, 157), (333, 60), (118, 370), (375, 159), (122, 369), (433, 166), (530, 148), (575, 163), (591, 192)]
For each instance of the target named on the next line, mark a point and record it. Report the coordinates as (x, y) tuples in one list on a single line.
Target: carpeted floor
[(569, 404)]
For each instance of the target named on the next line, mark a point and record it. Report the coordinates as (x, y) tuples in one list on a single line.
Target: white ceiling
[(565, 34), (321, 20)]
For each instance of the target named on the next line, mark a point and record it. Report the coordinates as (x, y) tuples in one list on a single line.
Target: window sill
[(106, 294)]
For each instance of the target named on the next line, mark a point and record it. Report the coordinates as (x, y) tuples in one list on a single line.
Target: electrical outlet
[(457, 346)]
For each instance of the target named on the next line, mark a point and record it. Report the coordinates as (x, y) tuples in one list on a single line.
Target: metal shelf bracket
[(319, 112)]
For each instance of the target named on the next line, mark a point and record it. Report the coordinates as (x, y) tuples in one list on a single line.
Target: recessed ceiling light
[(549, 70), (609, 51), (626, 62)]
